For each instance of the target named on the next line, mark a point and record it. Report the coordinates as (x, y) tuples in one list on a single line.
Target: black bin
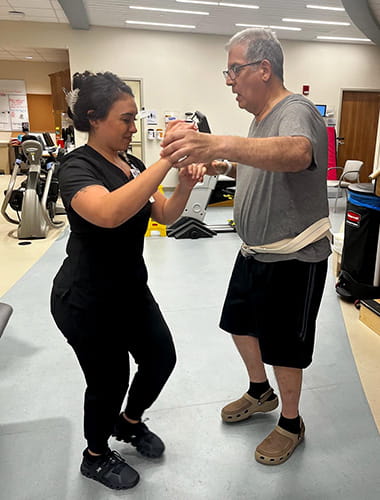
[(360, 265)]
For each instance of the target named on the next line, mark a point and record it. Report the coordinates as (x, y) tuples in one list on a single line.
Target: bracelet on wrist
[(225, 167), (229, 167)]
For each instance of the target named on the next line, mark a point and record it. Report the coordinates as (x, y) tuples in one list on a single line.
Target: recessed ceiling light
[(312, 21), (197, 12), (16, 14), (221, 4), (162, 24), (348, 39), (266, 26), (241, 5), (323, 7), (198, 1), (28, 57)]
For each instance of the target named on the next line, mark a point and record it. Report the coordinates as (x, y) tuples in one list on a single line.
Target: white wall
[(182, 72), (34, 74), (330, 67)]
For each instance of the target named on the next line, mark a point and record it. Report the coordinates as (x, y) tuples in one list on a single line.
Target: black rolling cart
[(359, 277)]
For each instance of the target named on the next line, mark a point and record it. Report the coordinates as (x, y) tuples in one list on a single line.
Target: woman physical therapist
[(100, 299)]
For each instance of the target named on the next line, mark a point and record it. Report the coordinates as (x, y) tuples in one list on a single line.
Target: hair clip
[(71, 98)]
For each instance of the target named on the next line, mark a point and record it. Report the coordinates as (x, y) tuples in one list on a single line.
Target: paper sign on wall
[(13, 105), (4, 104), (5, 121), (151, 118), (12, 87)]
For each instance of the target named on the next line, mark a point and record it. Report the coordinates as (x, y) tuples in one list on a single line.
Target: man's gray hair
[(261, 43)]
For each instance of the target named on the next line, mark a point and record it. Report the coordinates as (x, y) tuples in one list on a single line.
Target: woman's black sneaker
[(109, 469), (145, 441)]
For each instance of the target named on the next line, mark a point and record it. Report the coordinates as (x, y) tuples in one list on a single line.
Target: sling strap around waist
[(320, 229)]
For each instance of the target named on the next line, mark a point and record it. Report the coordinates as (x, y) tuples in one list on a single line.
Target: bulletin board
[(13, 105)]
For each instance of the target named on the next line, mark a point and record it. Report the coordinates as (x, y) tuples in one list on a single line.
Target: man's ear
[(266, 68)]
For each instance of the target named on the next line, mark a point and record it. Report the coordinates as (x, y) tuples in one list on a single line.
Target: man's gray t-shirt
[(270, 206)]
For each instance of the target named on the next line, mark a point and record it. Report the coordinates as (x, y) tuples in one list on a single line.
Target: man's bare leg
[(279, 445), (260, 397), (289, 382), (249, 350)]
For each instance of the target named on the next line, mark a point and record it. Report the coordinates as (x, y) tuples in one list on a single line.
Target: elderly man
[(281, 215)]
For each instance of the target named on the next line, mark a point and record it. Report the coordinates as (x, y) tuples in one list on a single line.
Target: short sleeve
[(299, 119), (296, 120), (73, 177)]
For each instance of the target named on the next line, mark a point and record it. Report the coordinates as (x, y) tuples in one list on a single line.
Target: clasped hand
[(188, 150)]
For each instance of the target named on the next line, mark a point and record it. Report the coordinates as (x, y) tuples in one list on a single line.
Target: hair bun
[(80, 78)]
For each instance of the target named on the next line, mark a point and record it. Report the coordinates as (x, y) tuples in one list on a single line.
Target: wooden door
[(359, 121), (59, 81), (41, 115)]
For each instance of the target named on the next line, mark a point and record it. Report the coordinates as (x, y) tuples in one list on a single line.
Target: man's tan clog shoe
[(278, 446), (247, 405)]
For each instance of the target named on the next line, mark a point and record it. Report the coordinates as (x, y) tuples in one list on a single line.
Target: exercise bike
[(36, 198)]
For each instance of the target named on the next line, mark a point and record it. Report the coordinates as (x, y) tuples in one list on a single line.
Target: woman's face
[(116, 130)]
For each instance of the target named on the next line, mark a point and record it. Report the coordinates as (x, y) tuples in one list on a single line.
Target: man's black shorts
[(278, 303)]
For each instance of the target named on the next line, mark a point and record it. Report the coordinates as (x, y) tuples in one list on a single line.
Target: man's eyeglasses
[(233, 72)]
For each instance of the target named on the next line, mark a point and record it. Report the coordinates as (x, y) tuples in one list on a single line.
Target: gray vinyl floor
[(41, 390)]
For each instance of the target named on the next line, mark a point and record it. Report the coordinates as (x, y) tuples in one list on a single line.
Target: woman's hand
[(215, 167), (192, 174), (167, 211)]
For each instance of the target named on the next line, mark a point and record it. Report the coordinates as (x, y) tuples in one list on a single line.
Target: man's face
[(248, 85)]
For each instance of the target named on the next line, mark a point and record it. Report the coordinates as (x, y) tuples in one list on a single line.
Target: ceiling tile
[(21, 4), (221, 20)]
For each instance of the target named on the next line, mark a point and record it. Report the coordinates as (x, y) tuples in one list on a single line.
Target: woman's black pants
[(102, 338)]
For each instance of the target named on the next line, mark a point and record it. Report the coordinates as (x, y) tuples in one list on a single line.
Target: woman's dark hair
[(97, 93)]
